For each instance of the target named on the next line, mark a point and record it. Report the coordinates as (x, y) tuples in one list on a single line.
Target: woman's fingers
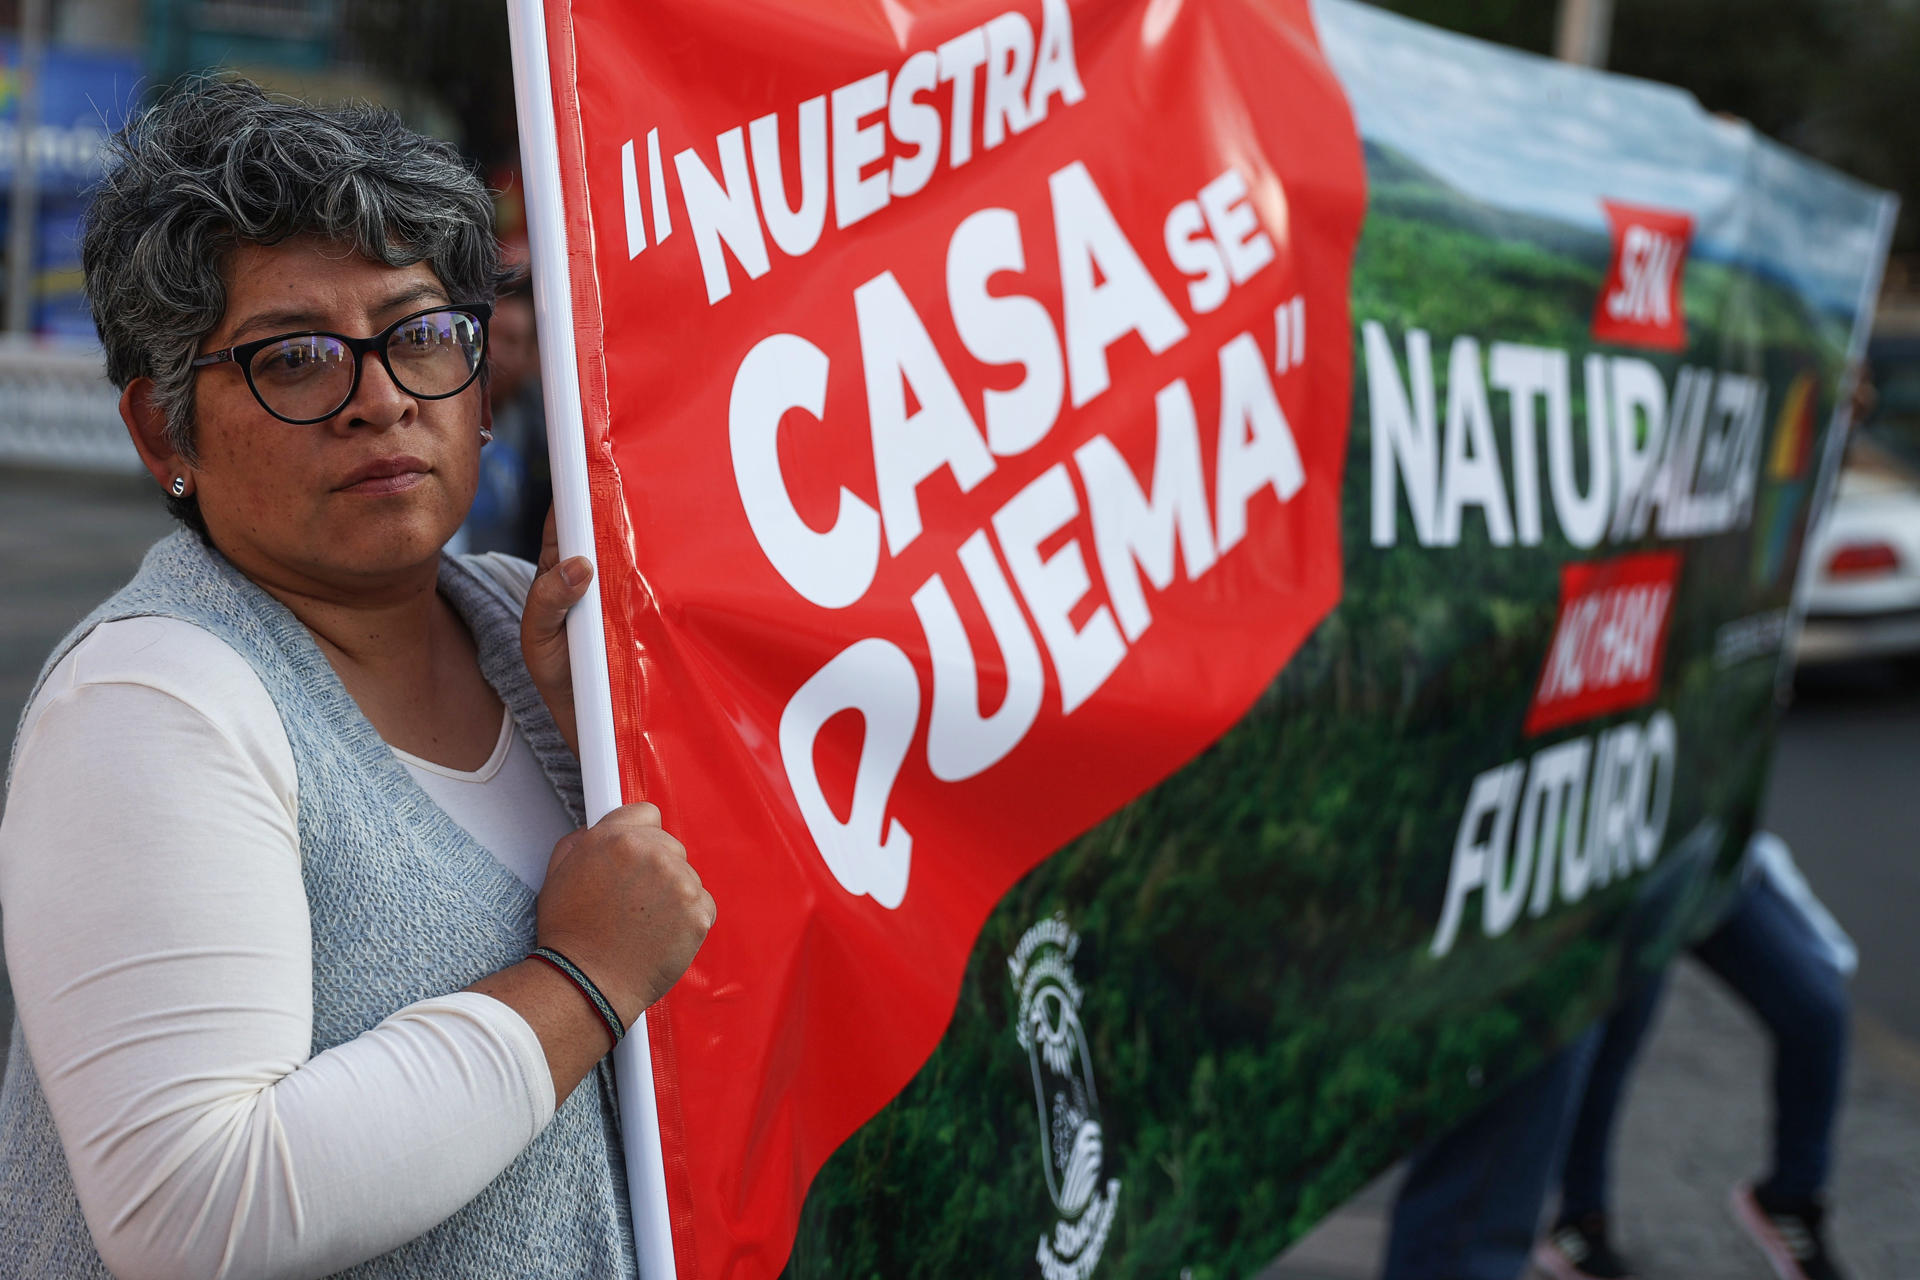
[(622, 901), (549, 543), (543, 627), (564, 849), (543, 639), (557, 587)]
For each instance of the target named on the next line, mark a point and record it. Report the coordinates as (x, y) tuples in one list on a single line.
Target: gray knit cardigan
[(405, 905)]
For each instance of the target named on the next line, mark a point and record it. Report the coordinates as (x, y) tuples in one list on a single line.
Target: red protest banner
[(964, 394)]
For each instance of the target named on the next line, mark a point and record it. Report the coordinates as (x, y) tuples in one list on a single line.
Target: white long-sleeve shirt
[(158, 941)]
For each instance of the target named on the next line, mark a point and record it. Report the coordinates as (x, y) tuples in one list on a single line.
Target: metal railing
[(58, 409)]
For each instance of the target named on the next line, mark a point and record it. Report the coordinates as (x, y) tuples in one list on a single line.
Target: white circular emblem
[(1048, 1028)]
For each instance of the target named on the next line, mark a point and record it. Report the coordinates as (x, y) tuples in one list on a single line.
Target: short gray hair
[(220, 163)]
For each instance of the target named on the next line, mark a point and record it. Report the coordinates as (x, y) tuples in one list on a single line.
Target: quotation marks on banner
[(630, 190), (1290, 334)]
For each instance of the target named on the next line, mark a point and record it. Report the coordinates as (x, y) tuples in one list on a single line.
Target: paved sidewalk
[(1696, 1121), (67, 541)]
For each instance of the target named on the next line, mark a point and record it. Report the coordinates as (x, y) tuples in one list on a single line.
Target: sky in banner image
[(1178, 687)]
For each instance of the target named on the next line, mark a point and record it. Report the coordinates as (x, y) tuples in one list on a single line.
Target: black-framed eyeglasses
[(308, 377)]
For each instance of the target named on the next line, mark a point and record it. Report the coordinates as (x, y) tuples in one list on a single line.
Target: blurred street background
[(1834, 78)]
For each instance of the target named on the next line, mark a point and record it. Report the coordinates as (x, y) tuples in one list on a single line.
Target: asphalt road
[(1846, 798)]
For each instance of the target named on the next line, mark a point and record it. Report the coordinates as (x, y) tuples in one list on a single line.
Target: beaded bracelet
[(615, 1027)]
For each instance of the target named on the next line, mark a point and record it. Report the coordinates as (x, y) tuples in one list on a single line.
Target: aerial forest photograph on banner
[(1208, 582)]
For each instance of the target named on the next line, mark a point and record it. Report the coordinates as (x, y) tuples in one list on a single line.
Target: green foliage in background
[(1833, 78)]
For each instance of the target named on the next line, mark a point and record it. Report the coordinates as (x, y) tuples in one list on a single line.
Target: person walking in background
[(1470, 1205), (1581, 1243), (316, 969), (509, 509), (1784, 957)]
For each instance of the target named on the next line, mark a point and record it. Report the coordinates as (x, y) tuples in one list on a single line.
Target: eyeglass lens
[(311, 376)]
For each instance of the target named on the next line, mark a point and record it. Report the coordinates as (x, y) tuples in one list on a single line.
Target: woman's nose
[(378, 402)]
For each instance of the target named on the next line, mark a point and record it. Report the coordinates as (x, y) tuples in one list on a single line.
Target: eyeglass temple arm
[(223, 356)]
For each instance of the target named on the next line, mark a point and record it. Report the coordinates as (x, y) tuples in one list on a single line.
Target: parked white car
[(1864, 597)]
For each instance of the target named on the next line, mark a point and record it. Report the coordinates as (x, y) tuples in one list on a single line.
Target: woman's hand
[(622, 902), (557, 587)]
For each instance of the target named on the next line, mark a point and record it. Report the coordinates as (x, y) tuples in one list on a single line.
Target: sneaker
[(1577, 1249), (1788, 1233)]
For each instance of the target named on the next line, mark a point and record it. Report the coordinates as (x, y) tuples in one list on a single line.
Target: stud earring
[(179, 486), (486, 435)]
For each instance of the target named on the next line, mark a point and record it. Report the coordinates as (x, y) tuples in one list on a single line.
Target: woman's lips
[(377, 485), (386, 475)]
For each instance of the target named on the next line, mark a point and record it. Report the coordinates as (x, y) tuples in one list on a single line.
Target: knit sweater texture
[(405, 905)]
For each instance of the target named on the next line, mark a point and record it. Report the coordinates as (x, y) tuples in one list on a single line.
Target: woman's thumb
[(556, 591)]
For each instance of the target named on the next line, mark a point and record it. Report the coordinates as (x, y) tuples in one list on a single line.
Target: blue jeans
[(1585, 1177), (1470, 1204), (1770, 957)]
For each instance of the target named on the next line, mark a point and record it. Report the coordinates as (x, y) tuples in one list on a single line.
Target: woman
[(279, 811)]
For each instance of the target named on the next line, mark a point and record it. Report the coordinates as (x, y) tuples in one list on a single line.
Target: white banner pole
[(586, 635)]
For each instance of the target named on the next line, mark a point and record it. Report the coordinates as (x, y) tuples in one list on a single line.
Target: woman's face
[(380, 486)]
